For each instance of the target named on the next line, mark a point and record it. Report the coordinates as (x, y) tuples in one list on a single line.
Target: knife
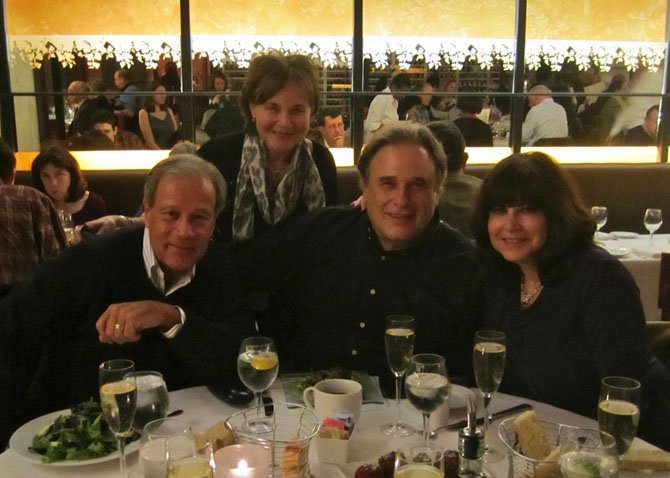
[(480, 421)]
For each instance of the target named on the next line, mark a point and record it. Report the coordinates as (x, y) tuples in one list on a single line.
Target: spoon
[(174, 413)]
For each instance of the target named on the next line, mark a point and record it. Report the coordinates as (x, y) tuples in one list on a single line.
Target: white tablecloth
[(201, 409), (643, 259)]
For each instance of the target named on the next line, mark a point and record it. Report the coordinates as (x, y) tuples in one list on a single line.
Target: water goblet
[(257, 366), (153, 400), (118, 397), (585, 452), (653, 218), (619, 409), (488, 358), (599, 214), (195, 464), (427, 386), (425, 460), (399, 343)]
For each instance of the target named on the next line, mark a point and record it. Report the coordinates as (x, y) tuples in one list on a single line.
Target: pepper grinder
[(471, 445)]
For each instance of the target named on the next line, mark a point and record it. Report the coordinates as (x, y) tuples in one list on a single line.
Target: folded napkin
[(293, 390)]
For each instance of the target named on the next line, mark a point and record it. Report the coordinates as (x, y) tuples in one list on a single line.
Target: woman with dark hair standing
[(273, 171), (56, 173), (570, 310), (157, 120)]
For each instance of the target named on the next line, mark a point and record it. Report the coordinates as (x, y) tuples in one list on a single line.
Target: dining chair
[(658, 334), (664, 287)]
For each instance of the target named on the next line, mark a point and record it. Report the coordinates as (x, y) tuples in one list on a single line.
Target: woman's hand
[(359, 203), (103, 225)]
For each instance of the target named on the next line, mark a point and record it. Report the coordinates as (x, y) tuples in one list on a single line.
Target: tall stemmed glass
[(488, 358), (653, 218), (118, 399), (619, 410), (399, 341), (257, 366), (599, 214), (427, 386)]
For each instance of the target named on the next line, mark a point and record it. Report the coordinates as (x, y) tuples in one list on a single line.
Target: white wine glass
[(118, 398), (619, 409), (399, 343), (162, 439), (153, 400), (257, 366), (68, 226), (584, 452), (653, 218), (425, 460), (599, 214), (427, 386), (488, 359)]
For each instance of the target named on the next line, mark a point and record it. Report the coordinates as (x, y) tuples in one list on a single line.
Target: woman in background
[(571, 311), (273, 171), (157, 121), (56, 173)]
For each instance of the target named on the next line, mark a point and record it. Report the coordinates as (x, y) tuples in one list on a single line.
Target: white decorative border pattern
[(336, 51)]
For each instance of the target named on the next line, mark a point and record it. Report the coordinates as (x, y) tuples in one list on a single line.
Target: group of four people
[(321, 281)]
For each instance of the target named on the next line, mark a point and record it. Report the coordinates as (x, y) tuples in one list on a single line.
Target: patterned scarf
[(301, 181)]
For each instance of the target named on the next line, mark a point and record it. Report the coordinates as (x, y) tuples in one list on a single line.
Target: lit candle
[(242, 461)]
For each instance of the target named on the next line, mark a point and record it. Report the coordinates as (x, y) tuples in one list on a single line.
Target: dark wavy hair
[(535, 180), (150, 103), (268, 74), (60, 158)]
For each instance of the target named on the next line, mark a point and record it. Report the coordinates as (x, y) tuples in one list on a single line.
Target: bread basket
[(521, 466)]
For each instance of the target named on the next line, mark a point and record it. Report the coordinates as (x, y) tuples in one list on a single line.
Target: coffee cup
[(334, 397)]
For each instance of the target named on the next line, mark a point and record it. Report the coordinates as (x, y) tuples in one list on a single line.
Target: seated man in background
[(338, 273), (546, 118), (644, 134), (105, 122), (30, 231), (84, 108), (331, 128), (156, 295), (459, 190)]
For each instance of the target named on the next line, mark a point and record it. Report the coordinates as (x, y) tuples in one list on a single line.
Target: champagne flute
[(118, 398), (399, 341), (68, 226), (153, 400), (257, 366), (419, 460), (599, 214), (488, 358), (619, 410), (586, 452), (653, 218), (427, 386)]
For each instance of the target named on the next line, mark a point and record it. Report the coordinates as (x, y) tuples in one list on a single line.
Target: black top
[(49, 347), (475, 131), (336, 286), (226, 154), (638, 137)]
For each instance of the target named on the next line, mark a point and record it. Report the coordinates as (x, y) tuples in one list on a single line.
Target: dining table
[(642, 257), (201, 409)]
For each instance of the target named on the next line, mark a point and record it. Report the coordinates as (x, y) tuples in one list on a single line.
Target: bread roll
[(217, 435), (656, 460), (532, 439)]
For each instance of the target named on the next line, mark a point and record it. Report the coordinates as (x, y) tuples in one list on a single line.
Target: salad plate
[(22, 439)]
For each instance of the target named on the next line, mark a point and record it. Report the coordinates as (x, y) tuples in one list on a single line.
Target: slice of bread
[(217, 436), (547, 467), (645, 459), (532, 439)]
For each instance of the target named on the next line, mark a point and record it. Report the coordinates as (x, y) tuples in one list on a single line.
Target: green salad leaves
[(83, 435)]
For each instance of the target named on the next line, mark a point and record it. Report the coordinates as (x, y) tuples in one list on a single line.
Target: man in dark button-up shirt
[(340, 272)]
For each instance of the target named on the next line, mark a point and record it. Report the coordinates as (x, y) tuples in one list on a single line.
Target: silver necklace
[(528, 298)]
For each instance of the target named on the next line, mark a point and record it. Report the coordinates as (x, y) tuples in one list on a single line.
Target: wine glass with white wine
[(118, 399), (399, 342), (488, 358), (653, 218), (599, 214), (257, 366), (619, 410), (427, 386)]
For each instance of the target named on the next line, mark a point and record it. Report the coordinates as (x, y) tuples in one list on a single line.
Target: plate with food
[(73, 437), (295, 383), (459, 396)]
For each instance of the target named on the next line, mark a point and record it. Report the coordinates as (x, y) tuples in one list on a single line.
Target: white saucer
[(618, 251)]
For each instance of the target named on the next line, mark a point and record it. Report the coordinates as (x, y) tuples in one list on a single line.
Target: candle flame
[(242, 465)]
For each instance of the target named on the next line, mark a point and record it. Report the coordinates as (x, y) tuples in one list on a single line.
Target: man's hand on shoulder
[(124, 322)]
